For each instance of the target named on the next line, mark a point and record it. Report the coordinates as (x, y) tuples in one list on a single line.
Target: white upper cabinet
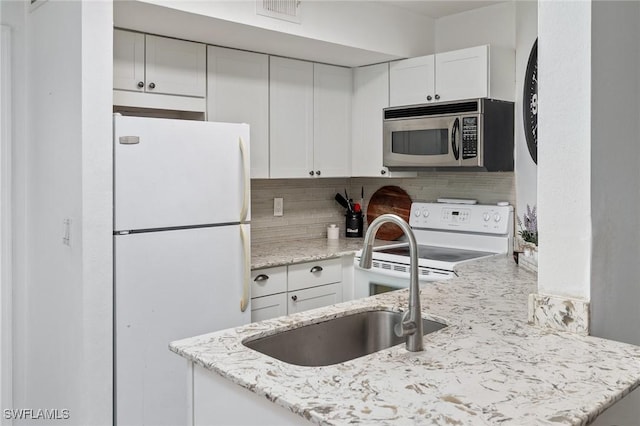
[(128, 60), (310, 119), (462, 74), (291, 118), (332, 121), (151, 64), (476, 72), (175, 67), (238, 92), (411, 81), (370, 96)]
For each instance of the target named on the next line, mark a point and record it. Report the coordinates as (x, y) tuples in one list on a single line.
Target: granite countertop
[(487, 367), (266, 255)]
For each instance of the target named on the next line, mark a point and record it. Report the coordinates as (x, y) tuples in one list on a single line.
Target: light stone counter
[(488, 367), (266, 255)]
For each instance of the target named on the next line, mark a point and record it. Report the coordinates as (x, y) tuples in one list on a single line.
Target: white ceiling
[(439, 8)]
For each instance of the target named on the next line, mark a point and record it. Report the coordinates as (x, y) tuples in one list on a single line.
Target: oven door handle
[(455, 131)]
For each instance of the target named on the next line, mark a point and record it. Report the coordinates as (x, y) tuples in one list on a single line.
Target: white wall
[(6, 382), (62, 169), (97, 217), (615, 150), (564, 149), (350, 33), (13, 15), (494, 25), (525, 169)]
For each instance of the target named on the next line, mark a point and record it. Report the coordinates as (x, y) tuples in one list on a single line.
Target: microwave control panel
[(491, 219), (469, 137)]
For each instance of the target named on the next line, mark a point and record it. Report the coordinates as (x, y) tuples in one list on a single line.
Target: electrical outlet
[(278, 206)]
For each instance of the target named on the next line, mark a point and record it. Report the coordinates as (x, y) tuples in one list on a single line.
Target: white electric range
[(448, 234)]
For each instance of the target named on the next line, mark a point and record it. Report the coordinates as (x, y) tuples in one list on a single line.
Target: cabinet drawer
[(312, 298), (267, 307), (268, 281), (311, 274)]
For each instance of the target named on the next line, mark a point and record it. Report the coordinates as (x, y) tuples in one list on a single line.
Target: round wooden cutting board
[(389, 199)]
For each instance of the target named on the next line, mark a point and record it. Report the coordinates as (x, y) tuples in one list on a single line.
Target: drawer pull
[(294, 298), (316, 269), (261, 277)]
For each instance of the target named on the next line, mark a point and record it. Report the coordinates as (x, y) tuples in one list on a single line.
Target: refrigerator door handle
[(244, 301), (246, 168)]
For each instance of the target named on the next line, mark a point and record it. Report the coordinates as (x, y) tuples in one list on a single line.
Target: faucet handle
[(405, 327)]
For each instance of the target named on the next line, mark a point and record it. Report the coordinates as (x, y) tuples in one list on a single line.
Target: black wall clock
[(530, 103)]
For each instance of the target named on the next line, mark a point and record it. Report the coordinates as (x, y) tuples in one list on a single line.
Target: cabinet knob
[(153, 86), (261, 277), (141, 84), (429, 98), (437, 96), (316, 269), (383, 172), (317, 172), (294, 297), (311, 173)]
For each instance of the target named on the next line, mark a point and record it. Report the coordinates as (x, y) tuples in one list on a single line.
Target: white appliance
[(181, 254), (447, 234)]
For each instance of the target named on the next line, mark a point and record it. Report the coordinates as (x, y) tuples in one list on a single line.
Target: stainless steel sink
[(336, 340)]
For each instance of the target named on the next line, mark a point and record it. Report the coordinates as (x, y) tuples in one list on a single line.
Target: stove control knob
[(417, 213), (497, 217), (486, 217), (425, 213)]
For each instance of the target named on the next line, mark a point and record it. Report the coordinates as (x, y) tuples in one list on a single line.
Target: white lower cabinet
[(312, 274), (315, 297), (267, 307), (295, 288)]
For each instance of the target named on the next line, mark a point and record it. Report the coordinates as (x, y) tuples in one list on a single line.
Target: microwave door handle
[(454, 136)]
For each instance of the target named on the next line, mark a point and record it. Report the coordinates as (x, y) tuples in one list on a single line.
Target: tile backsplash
[(309, 204)]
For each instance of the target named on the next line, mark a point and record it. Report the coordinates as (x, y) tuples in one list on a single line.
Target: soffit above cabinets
[(439, 8), (151, 18), (339, 32)]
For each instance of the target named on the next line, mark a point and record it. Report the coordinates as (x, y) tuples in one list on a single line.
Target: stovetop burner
[(442, 254)]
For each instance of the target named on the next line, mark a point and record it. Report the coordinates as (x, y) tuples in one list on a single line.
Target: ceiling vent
[(288, 10)]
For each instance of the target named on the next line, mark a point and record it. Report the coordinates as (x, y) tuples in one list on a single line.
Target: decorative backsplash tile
[(559, 313), (309, 205)]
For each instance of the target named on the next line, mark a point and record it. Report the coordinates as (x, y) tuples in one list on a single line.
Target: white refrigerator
[(181, 254)]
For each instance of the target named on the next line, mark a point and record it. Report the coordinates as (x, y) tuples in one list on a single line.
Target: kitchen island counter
[(487, 367)]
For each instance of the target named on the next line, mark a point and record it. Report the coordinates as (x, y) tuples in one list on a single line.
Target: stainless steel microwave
[(475, 133)]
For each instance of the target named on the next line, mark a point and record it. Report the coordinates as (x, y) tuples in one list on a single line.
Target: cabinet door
[(175, 67), (267, 307), (238, 92), (291, 118), (316, 297), (332, 120), (267, 281), (462, 74), (411, 81), (128, 60), (370, 97), (313, 274)]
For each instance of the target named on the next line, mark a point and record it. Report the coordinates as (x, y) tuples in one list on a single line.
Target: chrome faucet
[(411, 325)]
